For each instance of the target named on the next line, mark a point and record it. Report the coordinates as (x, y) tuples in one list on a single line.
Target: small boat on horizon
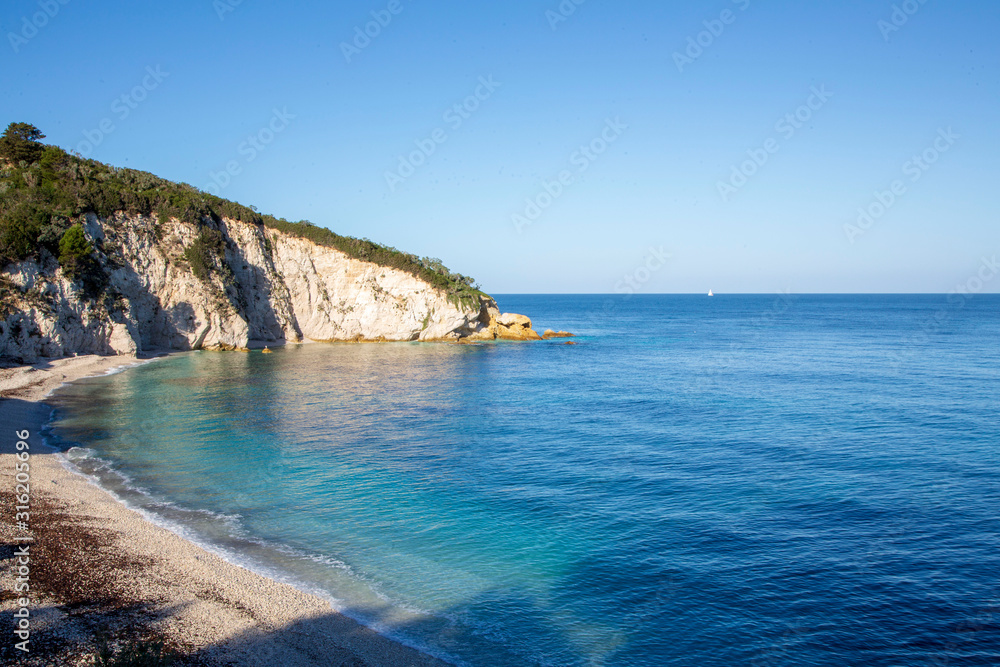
[(710, 293)]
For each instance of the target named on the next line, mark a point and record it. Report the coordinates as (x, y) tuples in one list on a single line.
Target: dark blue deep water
[(737, 480)]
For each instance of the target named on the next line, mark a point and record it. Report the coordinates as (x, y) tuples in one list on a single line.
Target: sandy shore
[(99, 568)]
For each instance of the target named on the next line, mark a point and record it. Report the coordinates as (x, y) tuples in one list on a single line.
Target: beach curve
[(99, 566)]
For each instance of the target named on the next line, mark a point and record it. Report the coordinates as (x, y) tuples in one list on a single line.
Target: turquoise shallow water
[(742, 480)]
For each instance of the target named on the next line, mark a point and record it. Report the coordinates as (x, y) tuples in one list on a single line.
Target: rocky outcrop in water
[(494, 325)]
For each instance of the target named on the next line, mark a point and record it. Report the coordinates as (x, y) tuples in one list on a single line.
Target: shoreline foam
[(201, 602), (230, 555)]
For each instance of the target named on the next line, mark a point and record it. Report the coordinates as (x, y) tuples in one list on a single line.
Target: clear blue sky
[(225, 67)]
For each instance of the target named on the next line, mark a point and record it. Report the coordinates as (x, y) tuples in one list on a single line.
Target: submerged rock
[(549, 333)]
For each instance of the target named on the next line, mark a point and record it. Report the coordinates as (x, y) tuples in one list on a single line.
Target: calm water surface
[(741, 480)]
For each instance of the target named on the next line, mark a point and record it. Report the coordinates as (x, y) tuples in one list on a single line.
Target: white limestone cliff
[(282, 288)]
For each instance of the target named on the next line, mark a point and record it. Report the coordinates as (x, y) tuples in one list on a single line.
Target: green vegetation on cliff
[(207, 255), (44, 191), (74, 251)]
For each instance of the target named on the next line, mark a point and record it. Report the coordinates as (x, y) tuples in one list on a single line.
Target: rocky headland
[(108, 261)]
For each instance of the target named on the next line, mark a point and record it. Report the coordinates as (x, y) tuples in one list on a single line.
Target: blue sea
[(736, 480)]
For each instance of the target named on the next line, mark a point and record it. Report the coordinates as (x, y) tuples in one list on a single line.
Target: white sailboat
[(710, 293)]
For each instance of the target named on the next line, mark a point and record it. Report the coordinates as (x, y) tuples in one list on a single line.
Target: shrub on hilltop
[(19, 143)]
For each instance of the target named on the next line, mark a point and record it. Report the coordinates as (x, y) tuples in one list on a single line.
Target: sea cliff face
[(267, 287)]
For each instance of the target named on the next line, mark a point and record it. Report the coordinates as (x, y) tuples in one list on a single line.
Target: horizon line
[(715, 294)]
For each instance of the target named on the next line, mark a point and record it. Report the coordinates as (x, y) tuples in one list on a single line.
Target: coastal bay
[(504, 503), (97, 566)]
